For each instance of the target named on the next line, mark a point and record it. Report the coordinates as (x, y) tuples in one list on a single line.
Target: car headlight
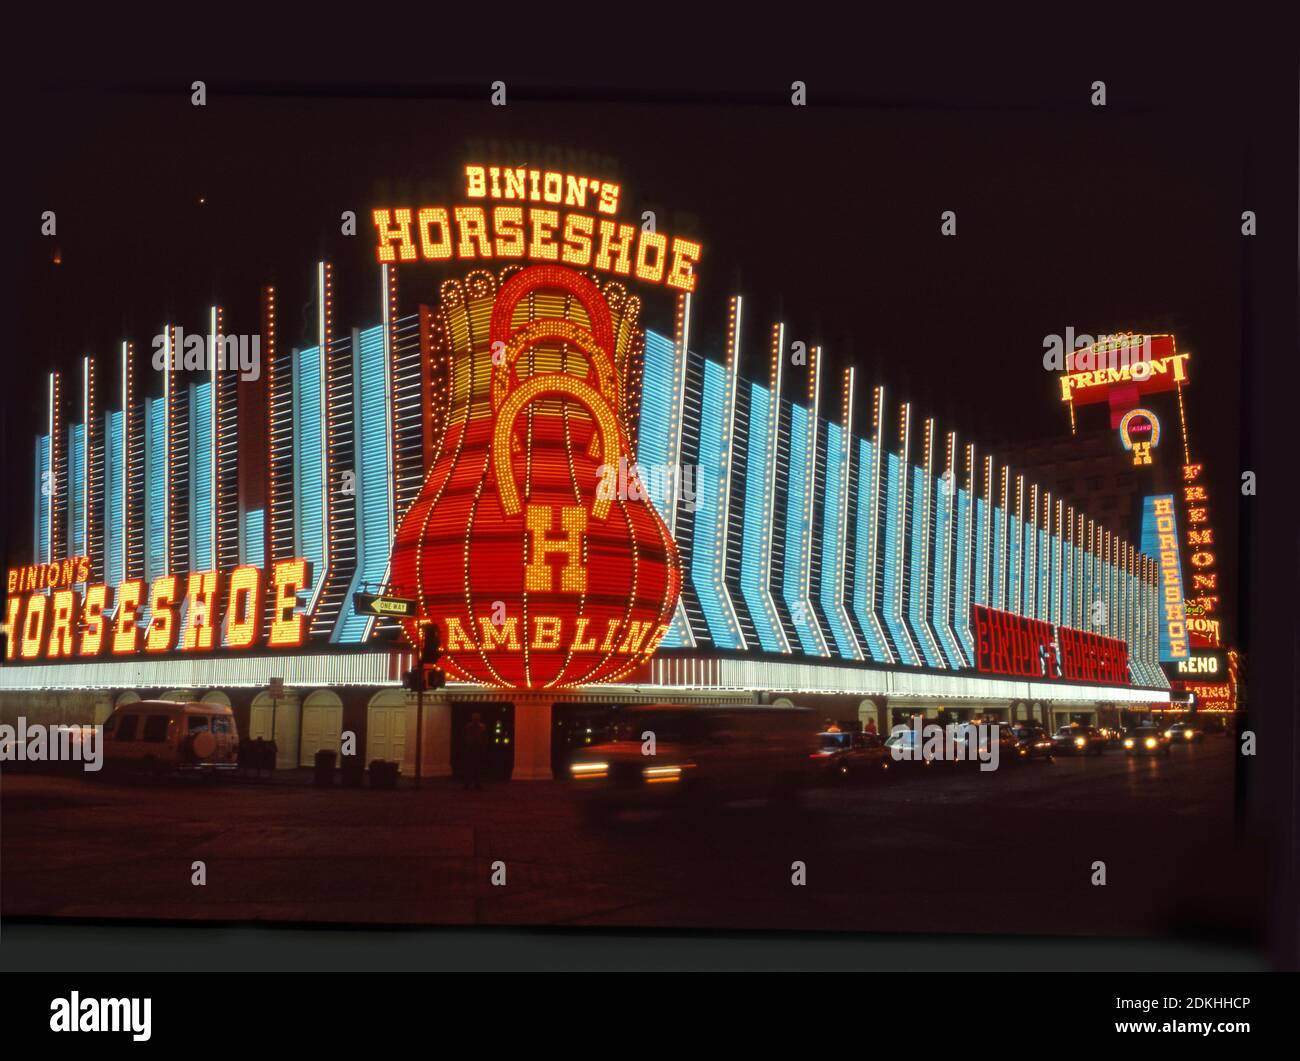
[(1079, 742), (1151, 742), (1169, 733), (1128, 742), (1187, 734), (579, 770)]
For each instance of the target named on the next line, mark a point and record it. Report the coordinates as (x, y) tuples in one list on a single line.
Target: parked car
[(1147, 740), (1078, 740), (1026, 740), (1185, 733), (704, 755), (905, 747), (158, 736), (850, 756)]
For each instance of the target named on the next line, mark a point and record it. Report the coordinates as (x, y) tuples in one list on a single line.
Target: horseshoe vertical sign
[(536, 575)]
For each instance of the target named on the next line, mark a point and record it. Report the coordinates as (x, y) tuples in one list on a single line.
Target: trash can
[(383, 774), (324, 762), (352, 771)]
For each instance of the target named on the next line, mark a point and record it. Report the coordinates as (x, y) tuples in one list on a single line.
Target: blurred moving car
[(850, 756), (703, 755), (1076, 739), (1146, 740), (162, 735), (1185, 733)]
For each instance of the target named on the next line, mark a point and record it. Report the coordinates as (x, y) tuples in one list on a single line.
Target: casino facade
[(591, 510)]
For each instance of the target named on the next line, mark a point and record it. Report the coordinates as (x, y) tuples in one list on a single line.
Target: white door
[(322, 727), (386, 733)]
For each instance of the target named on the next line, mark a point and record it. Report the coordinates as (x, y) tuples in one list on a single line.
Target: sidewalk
[(305, 777)]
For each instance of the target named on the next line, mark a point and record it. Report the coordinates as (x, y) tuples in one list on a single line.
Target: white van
[(163, 735)]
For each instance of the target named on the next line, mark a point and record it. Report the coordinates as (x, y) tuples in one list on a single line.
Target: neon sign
[(535, 575), (521, 220), (1148, 376), (1203, 600), (182, 615), (1139, 431), (1017, 646), (1160, 539), (55, 575)]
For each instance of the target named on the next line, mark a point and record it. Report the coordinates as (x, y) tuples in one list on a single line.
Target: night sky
[(1119, 219)]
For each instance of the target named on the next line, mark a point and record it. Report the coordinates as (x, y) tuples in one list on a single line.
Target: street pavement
[(931, 850)]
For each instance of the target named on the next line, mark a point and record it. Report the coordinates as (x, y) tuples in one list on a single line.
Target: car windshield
[(835, 741)]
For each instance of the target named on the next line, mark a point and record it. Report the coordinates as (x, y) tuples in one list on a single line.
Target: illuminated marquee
[(182, 613), (1160, 539), (1206, 663), (1021, 647), (1210, 696), (525, 222)]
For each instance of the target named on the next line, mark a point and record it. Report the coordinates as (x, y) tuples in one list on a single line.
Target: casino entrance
[(499, 756)]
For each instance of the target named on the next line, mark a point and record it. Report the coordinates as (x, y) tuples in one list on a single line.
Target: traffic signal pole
[(429, 650)]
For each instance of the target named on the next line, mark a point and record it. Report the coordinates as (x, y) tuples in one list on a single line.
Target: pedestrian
[(475, 751), (870, 727)]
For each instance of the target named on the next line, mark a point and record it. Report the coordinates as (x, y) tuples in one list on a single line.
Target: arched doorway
[(215, 696), (275, 720), (390, 730), (322, 725)]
